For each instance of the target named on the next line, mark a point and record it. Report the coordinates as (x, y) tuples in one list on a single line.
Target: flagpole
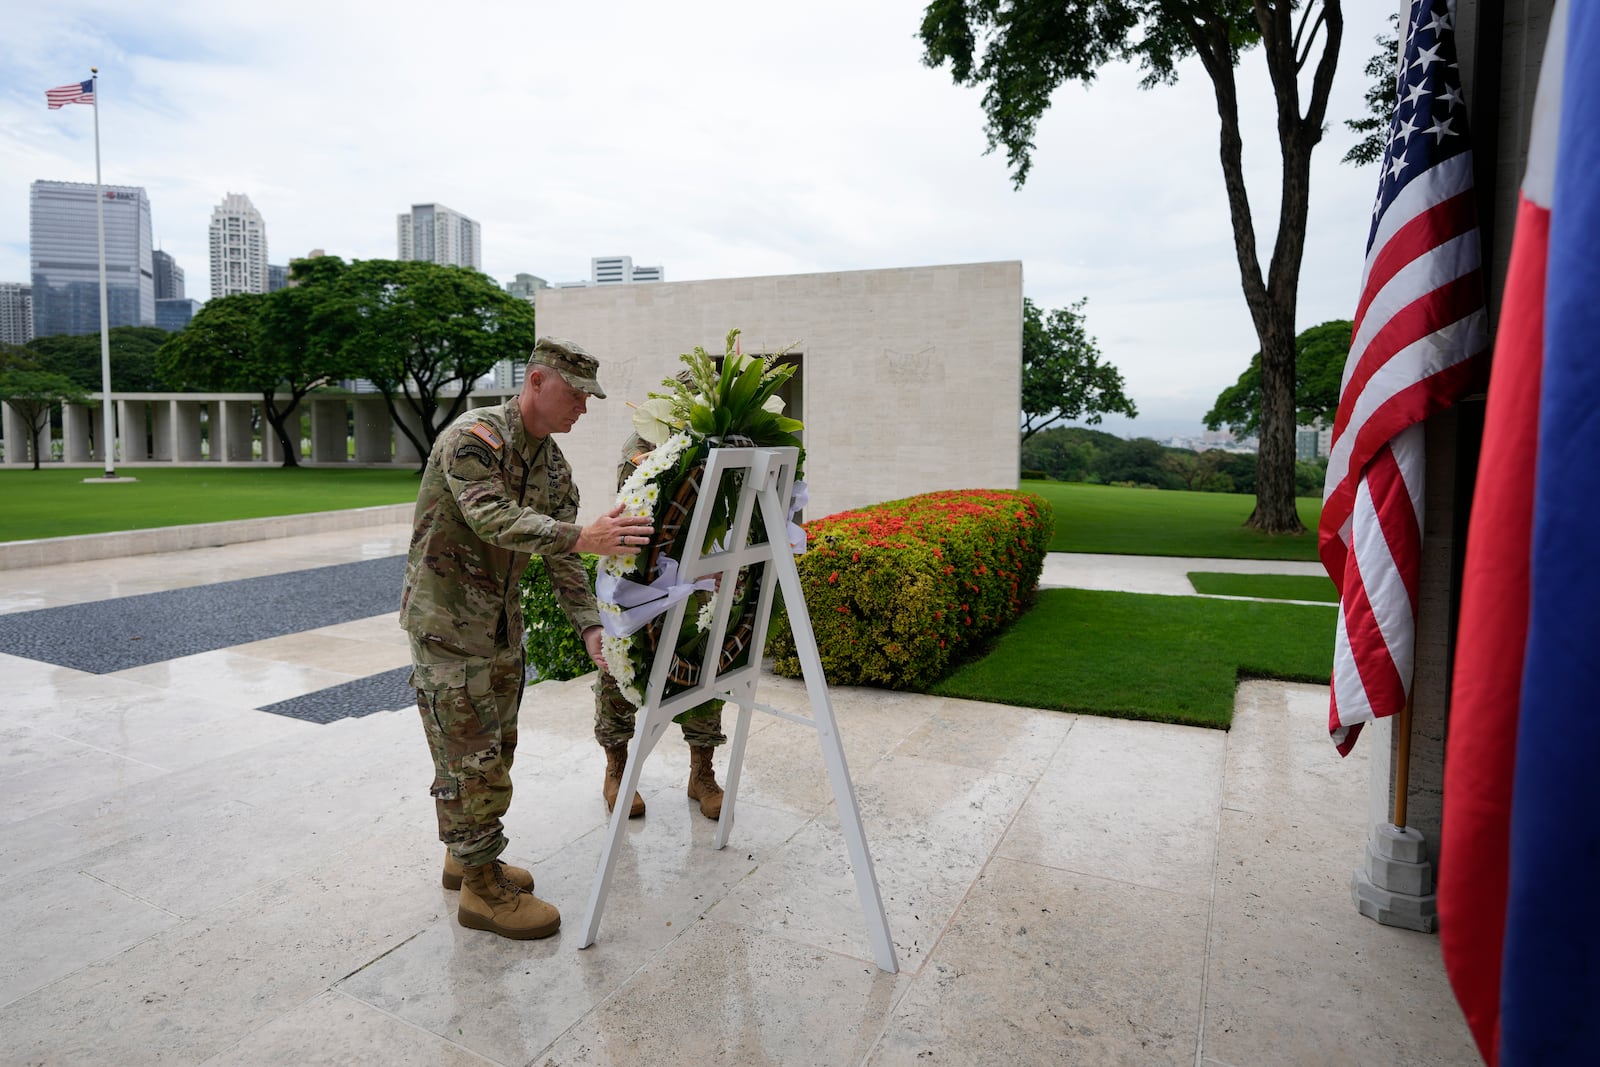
[(106, 441), (1402, 770)]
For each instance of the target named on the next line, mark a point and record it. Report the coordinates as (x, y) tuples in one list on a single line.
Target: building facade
[(16, 313), (169, 276), (175, 314), (277, 277), (525, 286), (434, 233), (238, 247), (65, 255)]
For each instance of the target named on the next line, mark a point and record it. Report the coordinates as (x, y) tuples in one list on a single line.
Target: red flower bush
[(894, 575)]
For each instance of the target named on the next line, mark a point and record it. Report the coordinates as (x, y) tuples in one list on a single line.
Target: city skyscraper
[(616, 270), (169, 276), (525, 285), (277, 277), (238, 247), (66, 259), (436, 234), (16, 313)]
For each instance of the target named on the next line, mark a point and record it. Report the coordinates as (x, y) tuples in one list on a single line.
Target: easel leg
[(645, 735), (730, 788)]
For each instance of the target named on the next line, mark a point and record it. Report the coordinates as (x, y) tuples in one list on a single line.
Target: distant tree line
[(1076, 454)]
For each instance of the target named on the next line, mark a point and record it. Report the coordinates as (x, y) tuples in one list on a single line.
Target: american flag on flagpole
[(76, 93), (1419, 329)]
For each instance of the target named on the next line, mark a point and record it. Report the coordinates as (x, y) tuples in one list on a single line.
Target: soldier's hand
[(615, 534), (591, 641)]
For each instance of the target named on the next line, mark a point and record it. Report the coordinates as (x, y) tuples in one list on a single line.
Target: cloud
[(715, 138)]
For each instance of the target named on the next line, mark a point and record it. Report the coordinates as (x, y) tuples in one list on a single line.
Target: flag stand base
[(1395, 887)]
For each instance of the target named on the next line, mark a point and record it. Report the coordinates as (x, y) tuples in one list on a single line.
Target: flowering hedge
[(555, 651), (901, 592)]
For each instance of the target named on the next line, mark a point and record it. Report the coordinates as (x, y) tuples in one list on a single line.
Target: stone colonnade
[(156, 428)]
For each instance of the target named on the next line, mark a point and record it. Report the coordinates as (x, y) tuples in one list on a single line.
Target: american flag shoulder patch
[(485, 433)]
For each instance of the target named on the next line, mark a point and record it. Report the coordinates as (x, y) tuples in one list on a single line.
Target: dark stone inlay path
[(103, 636), (351, 700)]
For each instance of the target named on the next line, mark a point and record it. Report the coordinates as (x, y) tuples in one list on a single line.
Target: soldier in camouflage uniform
[(614, 716), (495, 490)]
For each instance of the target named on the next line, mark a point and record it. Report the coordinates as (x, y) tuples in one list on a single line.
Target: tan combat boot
[(489, 901), (518, 877), (703, 781), (616, 762)]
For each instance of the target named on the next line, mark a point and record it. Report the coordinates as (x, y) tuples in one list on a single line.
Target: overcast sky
[(717, 139)]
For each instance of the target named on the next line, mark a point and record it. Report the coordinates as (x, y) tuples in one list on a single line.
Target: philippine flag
[(1520, 846)]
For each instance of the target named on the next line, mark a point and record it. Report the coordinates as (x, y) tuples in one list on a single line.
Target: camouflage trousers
[(469, 708), (613, 718)]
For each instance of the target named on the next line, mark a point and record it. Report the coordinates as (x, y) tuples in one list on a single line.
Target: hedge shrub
[(555, 649), (900, 592)]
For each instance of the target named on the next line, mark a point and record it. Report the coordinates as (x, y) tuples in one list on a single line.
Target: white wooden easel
[(768, 475)]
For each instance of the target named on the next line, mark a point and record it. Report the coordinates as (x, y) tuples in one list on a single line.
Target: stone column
[(374, 431), (75, 422), (231, 436), (132, 430), (404, 450), (330, 433), (17, 429), (271, 451), (185, 430)]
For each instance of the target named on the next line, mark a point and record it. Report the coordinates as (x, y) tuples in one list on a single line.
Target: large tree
[(1063, 379), (33, 394), (423, 334), (1318, 368), (77, 356), (228, 346), (1022, 50)]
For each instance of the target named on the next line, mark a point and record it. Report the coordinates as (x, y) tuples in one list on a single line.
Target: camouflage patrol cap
[(578, 368)]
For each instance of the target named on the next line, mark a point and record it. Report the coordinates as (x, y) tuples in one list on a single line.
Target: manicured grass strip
[(56, 503), (1266, 586), (1165, 522), (1135, 656)]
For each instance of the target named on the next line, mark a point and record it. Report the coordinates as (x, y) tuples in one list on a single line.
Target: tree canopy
[(77, 356), (1021, 51), (1320, 354), (33, 393), (1063, 379), (1380, 98)]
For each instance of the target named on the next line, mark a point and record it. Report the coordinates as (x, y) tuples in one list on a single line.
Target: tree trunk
[(291, 454), (1275, 504)]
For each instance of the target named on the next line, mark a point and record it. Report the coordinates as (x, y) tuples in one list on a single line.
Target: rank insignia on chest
[(485, 433)]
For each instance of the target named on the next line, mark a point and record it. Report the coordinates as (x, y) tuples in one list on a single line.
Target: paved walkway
[(188, 879)]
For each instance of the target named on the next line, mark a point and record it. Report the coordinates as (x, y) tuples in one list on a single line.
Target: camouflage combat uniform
[(613, 715), (491, 495)]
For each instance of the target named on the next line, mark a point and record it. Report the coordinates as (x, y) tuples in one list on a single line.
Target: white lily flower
[(652, 420), (774, 404)]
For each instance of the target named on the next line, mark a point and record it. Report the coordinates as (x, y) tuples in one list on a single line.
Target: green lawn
[(1134, 656), (1267, 586), (56, 503), (1164, 522)]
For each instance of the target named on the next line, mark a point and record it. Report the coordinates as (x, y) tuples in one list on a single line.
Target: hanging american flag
[(76, 93), (1418, 331)]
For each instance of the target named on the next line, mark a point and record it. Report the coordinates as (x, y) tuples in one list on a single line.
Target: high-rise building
[(525, 285), (66, 257), (616, 270), (169, 276), (16, 313), (175, 313), (277, 277), (238, 247), (436, 234)]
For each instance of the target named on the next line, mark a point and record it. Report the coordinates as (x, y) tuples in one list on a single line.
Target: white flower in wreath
[(703, 620)]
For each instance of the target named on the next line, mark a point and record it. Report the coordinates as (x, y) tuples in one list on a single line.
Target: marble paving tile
[(968, 733), (1048, 966), (335, 1030), (384, 628), (930, 828), (1128, 800), (1293, 966), (342, 655), (200, 987), (1280, 758), (237, 678), (43, 772), (58, 925), (508, 1000), (725, 994)]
